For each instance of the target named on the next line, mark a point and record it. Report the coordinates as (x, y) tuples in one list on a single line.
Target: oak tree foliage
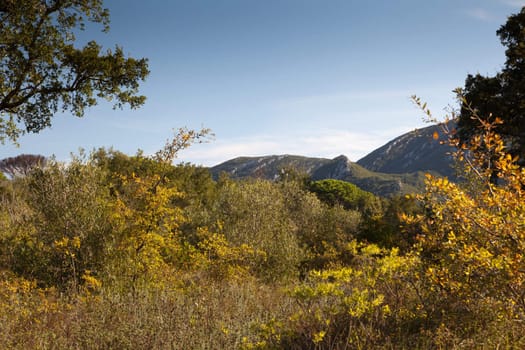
[(500, 95), (43, 71)]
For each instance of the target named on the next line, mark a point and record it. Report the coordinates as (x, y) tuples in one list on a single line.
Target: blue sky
[(309, 77)]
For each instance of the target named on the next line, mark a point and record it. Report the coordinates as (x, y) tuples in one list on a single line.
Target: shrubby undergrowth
[(132, 252)]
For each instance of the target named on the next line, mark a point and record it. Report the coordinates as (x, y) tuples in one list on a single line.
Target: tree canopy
[(22, 164), (42, 72), (500, 96), (346, 194)]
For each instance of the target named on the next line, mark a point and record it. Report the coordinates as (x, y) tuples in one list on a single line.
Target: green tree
[(254, 213), (322, 230), (55, 223), (42, 72), (500, 95), (386, 229), (337, 192)]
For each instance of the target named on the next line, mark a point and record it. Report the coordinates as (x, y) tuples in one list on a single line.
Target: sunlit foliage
[(56, 223), (117, 251), (471, 239), (43, 70)]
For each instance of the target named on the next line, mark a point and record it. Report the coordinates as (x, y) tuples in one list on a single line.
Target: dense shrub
[(255, 213), (112, 251), (56, 223)]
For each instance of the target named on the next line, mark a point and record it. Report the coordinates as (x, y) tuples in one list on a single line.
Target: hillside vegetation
[(111, 251), (131, 252), (418, 150), (339, 168)]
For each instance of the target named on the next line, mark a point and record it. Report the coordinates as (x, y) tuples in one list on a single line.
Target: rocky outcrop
[(419, 150)]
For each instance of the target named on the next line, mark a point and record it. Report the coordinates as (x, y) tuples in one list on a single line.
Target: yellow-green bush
[(56, 223), (347, 307), (254, 213), (471, 242)]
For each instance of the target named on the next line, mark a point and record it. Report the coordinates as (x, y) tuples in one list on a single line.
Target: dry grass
[(211, 315)]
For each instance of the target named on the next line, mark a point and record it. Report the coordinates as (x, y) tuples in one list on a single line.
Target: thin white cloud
[(514, 3), (376, 95), (323, 144), (360, 106), (480, 14)]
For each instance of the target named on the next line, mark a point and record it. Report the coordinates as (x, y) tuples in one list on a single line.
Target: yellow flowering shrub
[(222, 260), (472, 236), (347, 306), (25, 307), (145, 239)]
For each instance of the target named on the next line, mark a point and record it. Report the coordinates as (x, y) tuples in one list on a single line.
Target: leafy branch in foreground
[(42, 72), (472, 237), (182, 139), (500, 95)]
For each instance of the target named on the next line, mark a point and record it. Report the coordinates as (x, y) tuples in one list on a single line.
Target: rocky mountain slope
[(419, 150), (340, 168), (398, 167)]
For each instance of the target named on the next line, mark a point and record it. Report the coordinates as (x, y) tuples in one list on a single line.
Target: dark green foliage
[(501, 95), (42, 72), (388, 229), (349, 196), (380, 217), (323, 230)]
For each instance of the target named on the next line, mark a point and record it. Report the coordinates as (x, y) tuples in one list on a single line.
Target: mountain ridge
[(422, 149), (340, 168), (396, 168)]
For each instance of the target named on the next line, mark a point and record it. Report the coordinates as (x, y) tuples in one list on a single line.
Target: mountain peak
[(418, 150), (341, 158), (339, 168), (396, 168)]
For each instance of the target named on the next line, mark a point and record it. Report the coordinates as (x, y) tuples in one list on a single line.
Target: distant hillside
[(412, 152), (340, 168), (267, 167), (398, 167)]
